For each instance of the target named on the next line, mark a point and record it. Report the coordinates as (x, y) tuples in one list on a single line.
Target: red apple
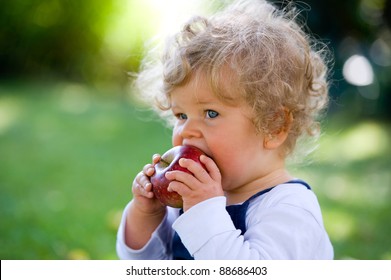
[(169, 162)]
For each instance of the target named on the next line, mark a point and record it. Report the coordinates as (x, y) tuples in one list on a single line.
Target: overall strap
[(238, 211), (298, 181)]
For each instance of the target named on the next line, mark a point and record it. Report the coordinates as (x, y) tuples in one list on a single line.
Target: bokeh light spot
[(358, 71)]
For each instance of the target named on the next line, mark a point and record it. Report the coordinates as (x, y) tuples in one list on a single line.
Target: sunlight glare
[(170, 14)]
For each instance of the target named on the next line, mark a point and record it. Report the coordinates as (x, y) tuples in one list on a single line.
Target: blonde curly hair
[(274, 66)]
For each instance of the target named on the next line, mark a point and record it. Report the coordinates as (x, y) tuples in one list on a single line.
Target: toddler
[(243, 86)]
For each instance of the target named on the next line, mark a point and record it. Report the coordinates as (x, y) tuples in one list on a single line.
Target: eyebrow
[(206, 102), (202, 103)]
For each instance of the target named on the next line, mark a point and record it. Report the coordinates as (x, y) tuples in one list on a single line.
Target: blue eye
[(211, 114), (181, 116)]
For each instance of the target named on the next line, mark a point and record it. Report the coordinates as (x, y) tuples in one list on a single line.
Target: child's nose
[(190, 129)]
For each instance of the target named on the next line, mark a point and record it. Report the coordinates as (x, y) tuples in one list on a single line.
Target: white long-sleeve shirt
[(284, 223)]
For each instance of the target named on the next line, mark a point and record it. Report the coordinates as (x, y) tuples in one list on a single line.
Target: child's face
[(225, 133)]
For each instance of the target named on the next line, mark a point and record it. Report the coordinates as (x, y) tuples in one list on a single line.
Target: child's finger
[(179, 176), (156, 158), (197, 169), (179, 187), (211, 167), (142, 181), (148, 170), (139, 190)]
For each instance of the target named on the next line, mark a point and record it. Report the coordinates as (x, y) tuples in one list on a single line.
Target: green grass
[(67, 159), (68, 155)]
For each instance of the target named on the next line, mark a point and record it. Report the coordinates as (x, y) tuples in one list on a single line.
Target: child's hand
[(203, 185), (143, 195)]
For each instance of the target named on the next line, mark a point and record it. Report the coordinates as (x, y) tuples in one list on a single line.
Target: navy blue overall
[(238, 216)]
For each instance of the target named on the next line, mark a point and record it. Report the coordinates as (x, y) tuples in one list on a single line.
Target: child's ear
[(278, 137)]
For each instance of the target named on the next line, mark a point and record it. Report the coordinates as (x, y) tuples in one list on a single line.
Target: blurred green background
[(72, 137)]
